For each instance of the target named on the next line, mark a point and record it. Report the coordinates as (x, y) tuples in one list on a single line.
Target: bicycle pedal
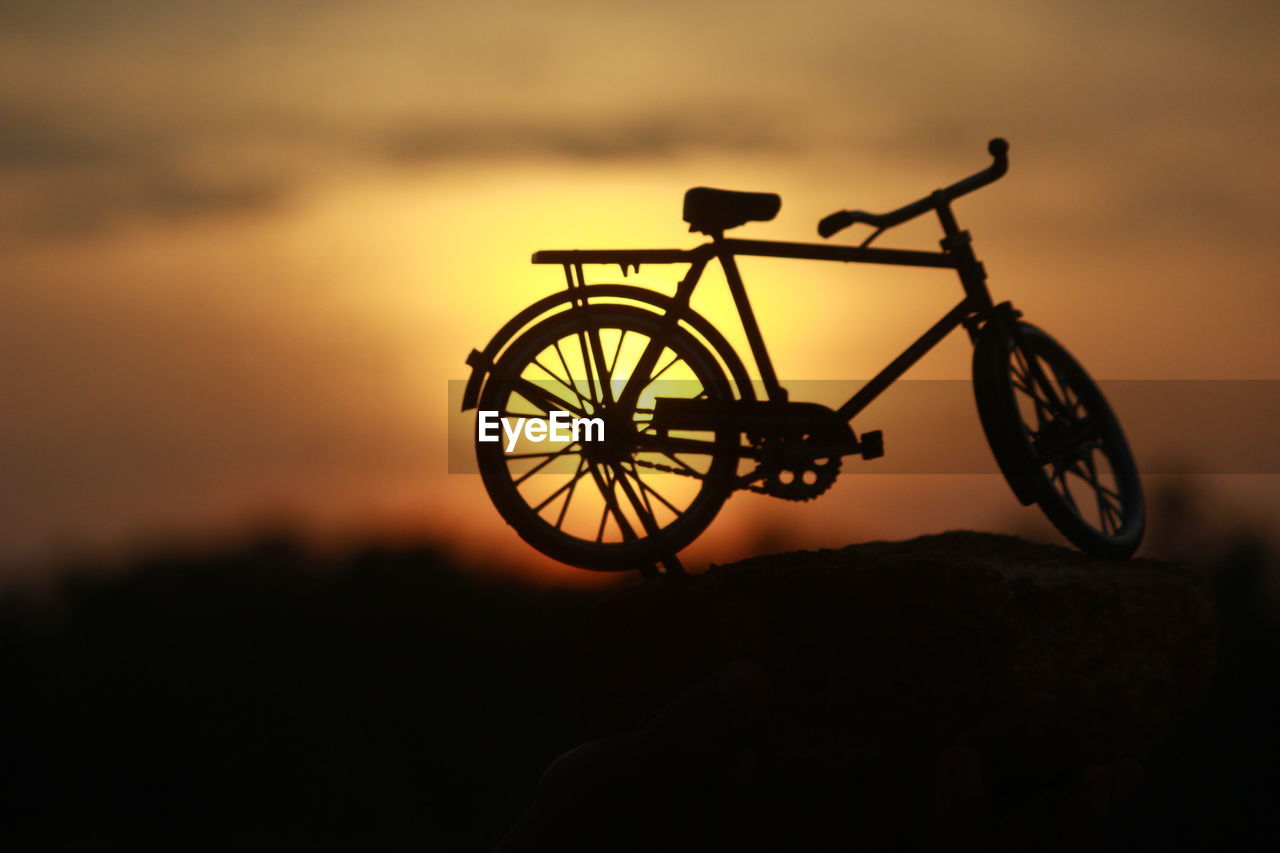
[(871, 444)]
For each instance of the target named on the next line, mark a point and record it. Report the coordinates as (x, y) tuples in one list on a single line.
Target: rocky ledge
[(882, 654)]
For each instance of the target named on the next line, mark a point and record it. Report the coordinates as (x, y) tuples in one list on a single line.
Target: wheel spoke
[(648, 507), (592, 378), (604, 519), (1034, 374), (617, 351), (640, 374), (1117, 516), (1027, 387), (544, 400), (654, 378), (1103, 518), (1076, 439), (647, 521), (1111, 493), (1105, 495), (544, 463), (1099, 496), (635, 473), (567, 383), (564, 363), (602, 369), (1069, 397), (573, 484), (558, 492), (607, 491), (1060, 474), (1089, 474)]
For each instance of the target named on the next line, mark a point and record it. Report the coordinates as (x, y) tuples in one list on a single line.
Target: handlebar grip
[(999, 150), (835, 223)]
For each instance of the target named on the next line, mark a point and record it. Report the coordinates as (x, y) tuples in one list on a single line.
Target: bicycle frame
[(797, 445), (957, 253)]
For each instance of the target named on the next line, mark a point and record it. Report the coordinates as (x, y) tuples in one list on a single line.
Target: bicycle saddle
[(712, 211)]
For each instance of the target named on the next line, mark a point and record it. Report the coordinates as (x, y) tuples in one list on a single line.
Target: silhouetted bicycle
[(675, 399)]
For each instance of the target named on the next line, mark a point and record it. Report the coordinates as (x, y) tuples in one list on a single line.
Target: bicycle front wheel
[(1058, 440), (611, 505)]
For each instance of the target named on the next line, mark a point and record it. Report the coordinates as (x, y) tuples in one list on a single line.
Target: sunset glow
[(246, 246)]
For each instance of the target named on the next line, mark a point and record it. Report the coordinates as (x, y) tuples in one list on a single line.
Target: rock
[(885, 653)]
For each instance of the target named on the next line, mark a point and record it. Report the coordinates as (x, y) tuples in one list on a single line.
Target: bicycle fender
[(1018, 470), (481, 362)]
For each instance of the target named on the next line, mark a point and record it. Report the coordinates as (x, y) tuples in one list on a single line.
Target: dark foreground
[(260, 698)]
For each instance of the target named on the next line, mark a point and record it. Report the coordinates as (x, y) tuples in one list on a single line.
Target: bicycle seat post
[(750, 325)]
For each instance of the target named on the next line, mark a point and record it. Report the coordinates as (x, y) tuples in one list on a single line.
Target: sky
[(245, 246)]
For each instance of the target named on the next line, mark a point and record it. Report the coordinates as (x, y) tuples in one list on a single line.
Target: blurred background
[(245, 246)]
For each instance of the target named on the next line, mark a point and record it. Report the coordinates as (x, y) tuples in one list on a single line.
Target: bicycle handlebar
[(842, 219)]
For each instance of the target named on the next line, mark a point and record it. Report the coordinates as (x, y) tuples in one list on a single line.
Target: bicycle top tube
[(758, 248)]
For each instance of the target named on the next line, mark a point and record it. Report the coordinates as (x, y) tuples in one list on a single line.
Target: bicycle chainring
[(800, 468)]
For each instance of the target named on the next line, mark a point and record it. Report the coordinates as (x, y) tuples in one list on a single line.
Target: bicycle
[(608, 351)]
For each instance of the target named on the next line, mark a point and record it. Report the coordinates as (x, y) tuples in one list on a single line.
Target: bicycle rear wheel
[(609, 506), (1058, 440)]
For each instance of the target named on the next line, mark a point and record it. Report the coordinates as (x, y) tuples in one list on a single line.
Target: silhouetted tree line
[(264, 698)]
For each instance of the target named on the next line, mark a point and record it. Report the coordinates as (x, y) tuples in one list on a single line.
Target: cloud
[(77, 207), (73, 176), (645, 137), (142, 109), (35, 140)]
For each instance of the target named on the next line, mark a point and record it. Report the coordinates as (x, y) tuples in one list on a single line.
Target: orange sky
[(243, 246)]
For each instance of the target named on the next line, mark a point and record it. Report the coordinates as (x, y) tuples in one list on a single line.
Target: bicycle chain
[(760, 490)]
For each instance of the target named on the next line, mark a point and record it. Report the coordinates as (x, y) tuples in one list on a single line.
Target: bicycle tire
[(1048, 427), (514, 502)]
